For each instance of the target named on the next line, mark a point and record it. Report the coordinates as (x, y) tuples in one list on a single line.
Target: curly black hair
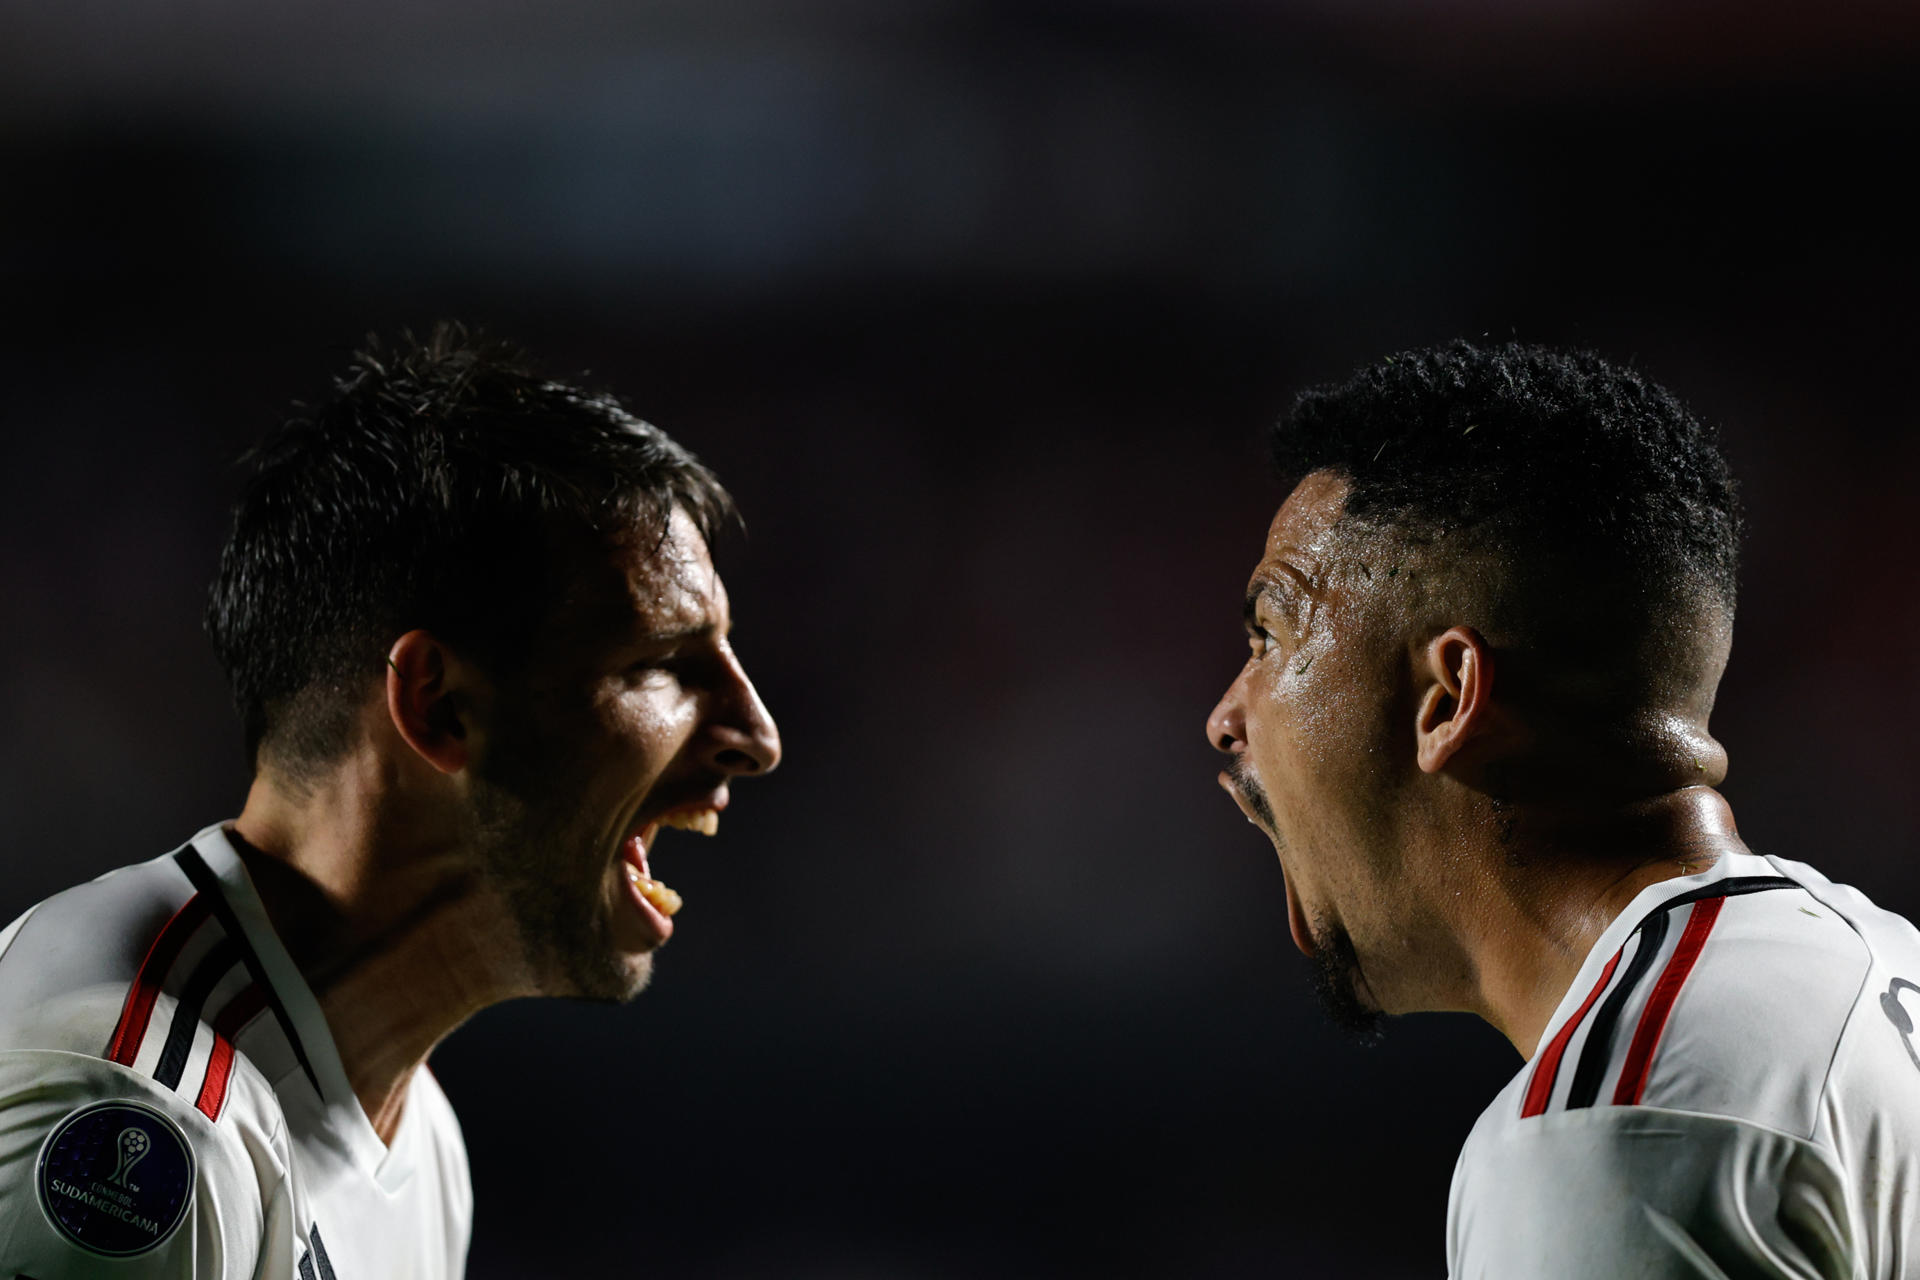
[(440, 485), (1554, 458)]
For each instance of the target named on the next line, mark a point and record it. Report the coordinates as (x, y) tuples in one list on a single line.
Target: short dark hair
[(1550, 457), (439, 484)]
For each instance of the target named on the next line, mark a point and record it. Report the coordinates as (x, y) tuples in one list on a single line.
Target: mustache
[(1240, 769)]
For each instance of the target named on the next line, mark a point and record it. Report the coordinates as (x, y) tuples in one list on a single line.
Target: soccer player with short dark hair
[(1487, 629), (474, 631)]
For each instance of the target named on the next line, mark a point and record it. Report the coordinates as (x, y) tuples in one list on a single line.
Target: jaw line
[(1345, 995)]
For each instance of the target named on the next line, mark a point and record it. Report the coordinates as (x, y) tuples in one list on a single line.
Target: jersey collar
[(343, 1114), (1731, 866)]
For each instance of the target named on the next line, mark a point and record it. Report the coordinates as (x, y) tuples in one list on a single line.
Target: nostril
[(740, 761)]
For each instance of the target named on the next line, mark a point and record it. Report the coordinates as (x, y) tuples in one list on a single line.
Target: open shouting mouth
[(651, 896)]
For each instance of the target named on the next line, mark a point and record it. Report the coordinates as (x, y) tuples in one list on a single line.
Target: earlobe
[(423, 701), (1456, 706)]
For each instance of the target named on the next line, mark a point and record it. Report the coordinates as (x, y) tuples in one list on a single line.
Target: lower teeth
[(657, 894)]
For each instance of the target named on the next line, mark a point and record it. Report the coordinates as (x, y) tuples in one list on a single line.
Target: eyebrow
[(1281, 593), (1293, 590), (675, 635)]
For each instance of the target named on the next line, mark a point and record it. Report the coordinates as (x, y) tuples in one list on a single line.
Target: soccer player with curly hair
[(1487, 628)]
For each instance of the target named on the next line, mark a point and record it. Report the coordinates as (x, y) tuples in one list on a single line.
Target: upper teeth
[(705, 821)]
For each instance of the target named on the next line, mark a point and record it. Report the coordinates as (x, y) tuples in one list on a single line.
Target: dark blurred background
[(981, 310)]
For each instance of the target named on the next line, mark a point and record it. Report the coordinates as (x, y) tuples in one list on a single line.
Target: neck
[(1558, 880), (384, 919)]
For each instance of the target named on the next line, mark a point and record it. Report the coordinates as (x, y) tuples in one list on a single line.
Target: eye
[(1259, 639), (649, 671)]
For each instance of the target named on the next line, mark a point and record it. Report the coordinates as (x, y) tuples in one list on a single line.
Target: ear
[(430, 701), (1457, 707)]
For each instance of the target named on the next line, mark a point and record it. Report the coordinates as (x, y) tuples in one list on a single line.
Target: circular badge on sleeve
[(115, 1178)]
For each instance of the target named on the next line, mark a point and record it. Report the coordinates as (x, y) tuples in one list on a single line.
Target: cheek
[(648, 722), (1286, 729), (1327, 720)]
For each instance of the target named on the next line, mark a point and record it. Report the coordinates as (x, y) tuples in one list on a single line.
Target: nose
[(1227, 725), (741, 735)]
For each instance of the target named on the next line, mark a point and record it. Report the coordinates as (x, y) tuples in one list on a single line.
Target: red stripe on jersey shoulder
[(166, 948), (241, 1010), (1540, 1088), (1653, 1021)]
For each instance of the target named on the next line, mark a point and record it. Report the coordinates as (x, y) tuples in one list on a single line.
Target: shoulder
[(1644, 1191), (1799, 1006), (148, 969), (121, 1002), (1729, 998), (99, 1161), (1750, 1027), (64, 958), (1706, 1087)]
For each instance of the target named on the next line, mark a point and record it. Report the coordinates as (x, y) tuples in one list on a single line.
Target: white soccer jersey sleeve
[(172, 1103), (104, 1173)]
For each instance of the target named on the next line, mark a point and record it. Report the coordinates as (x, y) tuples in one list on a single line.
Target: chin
[(616, 979), (639, 974), (593, 968)]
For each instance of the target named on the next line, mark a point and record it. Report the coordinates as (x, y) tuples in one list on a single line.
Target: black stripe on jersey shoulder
[(192, 1004), (206, 882), (1599, 1047), (1598, 1051), (1732, 888)]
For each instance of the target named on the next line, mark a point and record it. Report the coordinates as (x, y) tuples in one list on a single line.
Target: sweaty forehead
[(669, 583), (640, 583), (1304, 527)]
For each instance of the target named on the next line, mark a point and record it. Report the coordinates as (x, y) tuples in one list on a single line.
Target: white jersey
[(172, 1104), (1730, 1088)]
